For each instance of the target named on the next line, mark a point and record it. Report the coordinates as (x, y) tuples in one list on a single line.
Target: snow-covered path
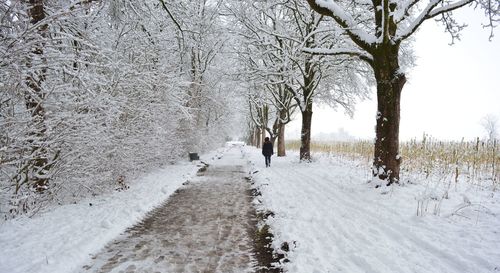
[(203, 227), (332, 220)]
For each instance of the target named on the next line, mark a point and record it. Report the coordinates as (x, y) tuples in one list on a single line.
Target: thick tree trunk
[(281, 140), (390, 83), (305, 137)]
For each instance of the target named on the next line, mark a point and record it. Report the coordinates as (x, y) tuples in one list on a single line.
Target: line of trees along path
[(95, 91)]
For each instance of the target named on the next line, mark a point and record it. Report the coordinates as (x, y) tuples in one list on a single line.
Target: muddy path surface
[(206, 226)]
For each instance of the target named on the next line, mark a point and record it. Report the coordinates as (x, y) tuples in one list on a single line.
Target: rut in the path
[(206, 226)]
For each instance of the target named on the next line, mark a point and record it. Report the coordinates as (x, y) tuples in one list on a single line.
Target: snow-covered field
[(334, 221)]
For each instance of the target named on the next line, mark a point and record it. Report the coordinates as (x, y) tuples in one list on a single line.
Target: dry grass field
[(473, 161)]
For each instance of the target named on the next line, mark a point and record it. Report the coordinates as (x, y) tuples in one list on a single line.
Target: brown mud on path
[(209, 225)]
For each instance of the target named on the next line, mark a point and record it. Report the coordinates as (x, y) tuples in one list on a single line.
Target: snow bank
[(62, 239), (334, 221)]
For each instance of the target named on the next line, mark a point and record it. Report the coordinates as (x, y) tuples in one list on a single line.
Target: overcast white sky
[(447, 93)]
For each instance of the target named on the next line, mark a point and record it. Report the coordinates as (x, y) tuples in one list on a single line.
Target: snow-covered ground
[(61, 240), (334, 221)]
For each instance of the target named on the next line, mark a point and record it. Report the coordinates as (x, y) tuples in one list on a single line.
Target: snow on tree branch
[(338, 51), (345, 20)]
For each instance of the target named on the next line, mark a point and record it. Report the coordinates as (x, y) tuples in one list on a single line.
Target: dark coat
[(267, 148)]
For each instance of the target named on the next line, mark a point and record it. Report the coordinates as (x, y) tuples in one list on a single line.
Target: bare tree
[(278, 30), (275, 105), (490, 125), (376, 30)]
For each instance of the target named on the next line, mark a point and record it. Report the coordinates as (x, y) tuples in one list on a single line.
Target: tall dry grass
[(472, 161)]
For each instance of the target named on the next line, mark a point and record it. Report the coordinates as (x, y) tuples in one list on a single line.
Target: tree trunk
[(390, 83), (308, 89), (305, 136), (263, 135), (253, 140), (281, 140), (257, 137), (34, 98)]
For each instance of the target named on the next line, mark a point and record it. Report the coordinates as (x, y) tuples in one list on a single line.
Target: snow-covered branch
[(338, 51), (330, 8)]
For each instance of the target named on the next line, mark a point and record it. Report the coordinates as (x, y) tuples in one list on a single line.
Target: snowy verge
[(334, 221), (62, 239)]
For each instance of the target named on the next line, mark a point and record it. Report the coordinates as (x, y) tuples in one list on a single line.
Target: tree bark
[(390, 82), (305, 136), (281, 140)]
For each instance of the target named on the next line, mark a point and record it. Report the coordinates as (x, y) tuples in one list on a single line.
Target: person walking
[(267, 151)]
